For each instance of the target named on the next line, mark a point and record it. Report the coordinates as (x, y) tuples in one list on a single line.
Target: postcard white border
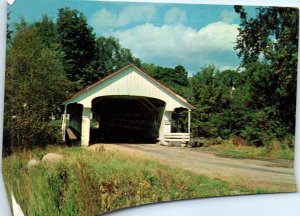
[(274, 204)]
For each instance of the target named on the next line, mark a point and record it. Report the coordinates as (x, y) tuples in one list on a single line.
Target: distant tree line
[(49, 60)]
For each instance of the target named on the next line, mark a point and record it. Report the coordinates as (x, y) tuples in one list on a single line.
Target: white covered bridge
[(126, 106)]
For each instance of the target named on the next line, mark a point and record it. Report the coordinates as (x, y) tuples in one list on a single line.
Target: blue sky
[(164, 34)]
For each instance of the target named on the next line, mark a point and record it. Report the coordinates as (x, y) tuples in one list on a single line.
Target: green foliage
[(89, 183), (176, 79), (272, 36), (272, 149), (252, 103), (212, 95), (109, 57), (87, 58), (35, 86), (112, 55), (179, 121), (65, 190), (180, 76), (47, 30), (46, 60), (269, 33), (8, 30), (172, 77), (231, 103), (77, 42)]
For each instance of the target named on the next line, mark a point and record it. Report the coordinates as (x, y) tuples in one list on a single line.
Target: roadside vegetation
[(237, 148), (88, 182)]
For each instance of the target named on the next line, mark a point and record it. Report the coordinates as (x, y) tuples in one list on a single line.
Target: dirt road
[(244, 172)]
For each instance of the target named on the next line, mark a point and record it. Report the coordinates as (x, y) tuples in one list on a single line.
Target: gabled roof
[(119, 71)]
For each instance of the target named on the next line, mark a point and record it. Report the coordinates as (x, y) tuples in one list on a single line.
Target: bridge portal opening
[(126, 119)]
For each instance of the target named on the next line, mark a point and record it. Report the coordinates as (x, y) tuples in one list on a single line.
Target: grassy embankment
[(89, 182), (273, 150)]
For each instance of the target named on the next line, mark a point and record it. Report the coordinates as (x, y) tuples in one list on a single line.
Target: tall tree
[(232, 114), (77, 42), (176, 79), (47, 31), (177, 76), (180, 76), (34, 88), (206, 99), (109, 57), (272, 38)]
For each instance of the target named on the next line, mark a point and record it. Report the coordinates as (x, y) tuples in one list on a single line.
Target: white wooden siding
[(130, 82)]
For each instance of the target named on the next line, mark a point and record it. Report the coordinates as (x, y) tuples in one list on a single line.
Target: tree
[(8, 30), (177, 76), (109, 57), (271, 38), (47, 31), (77, 42), (233, 113), (34, 89), (176, 79), (205, 98), (227, 82), (180, 76), (221, 99)]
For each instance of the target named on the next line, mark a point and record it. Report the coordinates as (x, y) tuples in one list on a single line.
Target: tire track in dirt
[(248, 173)]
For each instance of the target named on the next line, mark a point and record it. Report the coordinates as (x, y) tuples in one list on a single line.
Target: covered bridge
[(126, 106)]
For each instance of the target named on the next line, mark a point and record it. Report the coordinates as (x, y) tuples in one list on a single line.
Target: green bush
[(217, 141)]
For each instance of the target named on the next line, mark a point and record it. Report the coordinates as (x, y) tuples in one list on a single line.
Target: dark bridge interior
[(126, 119)]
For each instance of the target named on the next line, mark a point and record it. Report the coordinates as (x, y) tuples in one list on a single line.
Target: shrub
[(217, 141)]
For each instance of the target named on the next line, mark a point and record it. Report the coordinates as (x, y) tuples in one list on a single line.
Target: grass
[(91, 182), (271, 151)]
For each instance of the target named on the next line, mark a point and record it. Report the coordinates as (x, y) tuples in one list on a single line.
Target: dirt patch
[(246, 173)]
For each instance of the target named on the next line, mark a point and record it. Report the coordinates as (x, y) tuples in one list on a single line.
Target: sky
[(191, 35)]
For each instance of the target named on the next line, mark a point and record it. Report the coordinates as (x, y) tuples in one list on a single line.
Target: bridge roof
[(76, 97)]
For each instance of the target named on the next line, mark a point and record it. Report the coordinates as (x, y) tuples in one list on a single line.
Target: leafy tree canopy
[(271, 38), (34, 88), (47, 30), (109, 57), (77, 42)]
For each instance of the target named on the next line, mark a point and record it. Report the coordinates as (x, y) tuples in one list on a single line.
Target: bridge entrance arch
[(124, 107)]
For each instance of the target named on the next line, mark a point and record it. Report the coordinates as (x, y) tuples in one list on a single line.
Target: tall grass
[(272, 149), (87, 183)]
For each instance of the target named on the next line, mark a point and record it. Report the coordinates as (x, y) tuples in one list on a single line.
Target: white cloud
[(228, 16), (174, 16), (105, 19), (171, 45), (227, 67), (136, 13)]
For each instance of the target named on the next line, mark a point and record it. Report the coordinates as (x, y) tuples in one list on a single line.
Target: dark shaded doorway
[(126, 119)]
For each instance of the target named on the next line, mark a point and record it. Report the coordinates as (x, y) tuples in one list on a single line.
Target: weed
[(271, 149), (91, 182)]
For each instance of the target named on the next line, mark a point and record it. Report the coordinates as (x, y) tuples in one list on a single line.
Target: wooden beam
[(71, 134), (189, 121), (154, 107), (145, 105)]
